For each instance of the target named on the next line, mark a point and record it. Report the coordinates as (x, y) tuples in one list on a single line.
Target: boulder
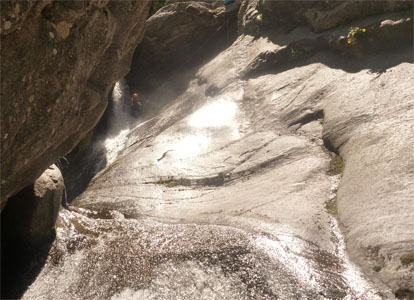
[(257, 17), (59, 61), (321, 19), (30, 216), (178, 36)]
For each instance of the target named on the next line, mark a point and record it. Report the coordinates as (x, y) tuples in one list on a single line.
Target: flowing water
[(162, 239)]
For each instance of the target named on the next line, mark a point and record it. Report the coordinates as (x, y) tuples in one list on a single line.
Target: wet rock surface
[(146, 259), (59, 61), (233, 190), (236, 201)]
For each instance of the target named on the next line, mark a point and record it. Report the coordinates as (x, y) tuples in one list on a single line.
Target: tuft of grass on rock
[(407, 258), (155, 6), (405, 294), (377, 268), (332, 206), (336, 165), (353, 33)]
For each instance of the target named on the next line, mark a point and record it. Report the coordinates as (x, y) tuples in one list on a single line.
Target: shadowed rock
[(30, 216), (178, 38), (59, 61)]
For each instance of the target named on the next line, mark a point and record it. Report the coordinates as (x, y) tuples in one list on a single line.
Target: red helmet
[(135, 96)]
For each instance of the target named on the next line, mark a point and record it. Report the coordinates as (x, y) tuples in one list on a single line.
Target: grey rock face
[(177, 33), (257, 17), (59, 61), (31, 215), (262, 167), (370, 126), (232, 190), (346, 11)]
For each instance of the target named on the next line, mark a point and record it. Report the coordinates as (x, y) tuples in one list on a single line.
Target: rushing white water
[(140, 236), (121, 122), (363, 289), (289, 251)]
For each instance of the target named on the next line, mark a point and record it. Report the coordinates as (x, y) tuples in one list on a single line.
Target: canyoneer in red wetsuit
[(135, 105)]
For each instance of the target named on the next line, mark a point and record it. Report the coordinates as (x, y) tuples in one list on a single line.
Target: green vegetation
[(155, 6), (332, 206), (242, 36), (171, 182), (404, 294), (336, 165), (377, 268), (217, 11), (353, 33), (407, 258), (296, 52)]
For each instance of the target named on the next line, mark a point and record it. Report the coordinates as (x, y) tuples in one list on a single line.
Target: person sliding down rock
[(135, 105)]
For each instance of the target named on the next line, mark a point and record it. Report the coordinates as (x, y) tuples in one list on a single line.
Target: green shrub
[(155, 6), (336, 165), (332, 206), (407, 258), (353, 33), (377, 268)]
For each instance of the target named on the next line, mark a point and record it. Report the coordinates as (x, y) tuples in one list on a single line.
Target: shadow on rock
[(374, 63), (27, 232), (165, 63), (88, 158), (354, 47), (20, 265)]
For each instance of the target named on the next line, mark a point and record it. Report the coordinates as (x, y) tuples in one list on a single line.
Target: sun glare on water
[(217, 114), (191, 145), (202, 123)]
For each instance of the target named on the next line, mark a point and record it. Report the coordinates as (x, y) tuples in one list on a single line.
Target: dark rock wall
[(31, 215), (59, 61), (178, 36)]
